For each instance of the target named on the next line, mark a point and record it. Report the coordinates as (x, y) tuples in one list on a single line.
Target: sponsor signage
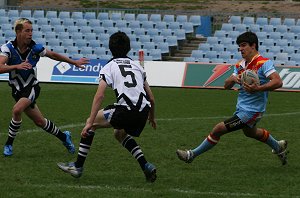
[(199, 75), (64, 72)]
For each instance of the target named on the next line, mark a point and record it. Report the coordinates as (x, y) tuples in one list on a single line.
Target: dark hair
[(119, 44), (248, 37)]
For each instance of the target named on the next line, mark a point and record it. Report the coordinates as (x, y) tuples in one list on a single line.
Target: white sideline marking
[(70, 126), (132, 189)]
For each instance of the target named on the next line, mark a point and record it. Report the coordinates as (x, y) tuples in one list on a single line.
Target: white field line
[(143, 190), (70, 126)]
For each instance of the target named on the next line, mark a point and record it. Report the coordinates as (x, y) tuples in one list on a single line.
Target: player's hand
[(85, 130), (251, 88), (81, 62), (24, 65), (152, 121)]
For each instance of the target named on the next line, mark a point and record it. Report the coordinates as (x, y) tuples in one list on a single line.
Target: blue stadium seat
[(220, 33), (227, 41), (46, 28), (188, 27), (134, 24), (174, 26), (72, 29), (205, 47), (94, 43), (218, 47), (166, 32), (168, 18), (147, 24), (148, 45), (112, 30), (98, 30), (36, 34), (275, 35), (267, 28), (295, 29), (180, 33), (203, 60), (289, 22), (4, 20), (107, 23), (64, 14), (216, 60), (51, 14), (212, 40), (161, 25), (25, 13), (132, 37), (225, 55), (81, 22), (195, 20), (53, 42), (49, 35), (262, 21), (189, 59), (181, 19), (275, 21), (63, 35), (227, 27), (58, 49), (103, 16), (283, 42), (155, 18), (155, 53), (126, 30), (2, 13), (40, 41), (72, 50), (197, 54), (289, 49), (248, 20), (144, 38), (86, 50), (76, 35), (80, 43), (129, 17), (281, 28), (13, 13), (139, 31), (77, 15), (55, 21), (152, 32), (164, 47), (254, 28), (115, 16), (261, 36), (85, 29), (142, 17), (42, 21), (94, 22), (289, 36), (281, 57), (158, 39), (89, 15), (67, 43), (235, 20), (233, 48), (120, 24), (68, 22), (90, 36), (240, 27), (100, 51), (76, 56), (59, 28), (275, 49)]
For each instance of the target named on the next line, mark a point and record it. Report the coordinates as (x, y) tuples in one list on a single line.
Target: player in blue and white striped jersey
[(19, 58)]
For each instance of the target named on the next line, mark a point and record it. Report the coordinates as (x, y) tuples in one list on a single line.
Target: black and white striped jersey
[(126, 78)]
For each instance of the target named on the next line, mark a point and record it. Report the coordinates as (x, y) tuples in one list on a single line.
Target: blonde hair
[(20, 22)]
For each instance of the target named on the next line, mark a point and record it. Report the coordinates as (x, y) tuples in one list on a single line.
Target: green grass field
[(236, 167)]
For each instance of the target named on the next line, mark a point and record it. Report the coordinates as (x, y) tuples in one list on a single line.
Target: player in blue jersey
[(251, 102), (128, 116), (19, 59)]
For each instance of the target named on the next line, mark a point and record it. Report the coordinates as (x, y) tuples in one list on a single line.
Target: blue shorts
[(249, 118)]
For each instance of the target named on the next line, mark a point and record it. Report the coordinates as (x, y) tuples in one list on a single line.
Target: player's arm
[(231, 81), (274, 83), (97, 101), (56, 56), (151, 117), (4, 68)]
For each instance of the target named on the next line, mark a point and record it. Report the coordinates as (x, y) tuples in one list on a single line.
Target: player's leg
[(15, 124), (37, 117), (231, 124), (76, 168), (262, 135)]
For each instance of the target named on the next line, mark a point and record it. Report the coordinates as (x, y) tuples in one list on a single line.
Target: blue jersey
[(254, 102), (19, 79)]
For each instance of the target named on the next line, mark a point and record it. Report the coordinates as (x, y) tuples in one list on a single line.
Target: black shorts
[(30, 92), (234, 123), (132, 121)]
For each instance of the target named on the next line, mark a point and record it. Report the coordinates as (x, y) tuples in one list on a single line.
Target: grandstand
[(163, 36), (83, 32)]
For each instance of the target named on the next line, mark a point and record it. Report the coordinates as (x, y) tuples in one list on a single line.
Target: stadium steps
[(184, 49)]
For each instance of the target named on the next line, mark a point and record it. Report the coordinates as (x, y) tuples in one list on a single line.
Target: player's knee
[(219, 130), (120, 135), (40, 122), (16, 111)]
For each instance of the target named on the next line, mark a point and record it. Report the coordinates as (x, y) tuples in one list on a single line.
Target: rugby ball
[(249, 76)]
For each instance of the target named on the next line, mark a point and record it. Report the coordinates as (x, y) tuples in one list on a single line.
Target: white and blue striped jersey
[(22, 78), (126, 78), (254, 102)]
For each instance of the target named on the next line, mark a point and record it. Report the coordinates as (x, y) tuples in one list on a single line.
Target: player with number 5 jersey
[(128, 115)]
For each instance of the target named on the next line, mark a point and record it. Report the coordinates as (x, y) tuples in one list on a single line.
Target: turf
[(236, 167)]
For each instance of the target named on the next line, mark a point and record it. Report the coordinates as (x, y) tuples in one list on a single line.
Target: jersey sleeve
[(106, 75), (268, 68), (4, 51), (39, 49)]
